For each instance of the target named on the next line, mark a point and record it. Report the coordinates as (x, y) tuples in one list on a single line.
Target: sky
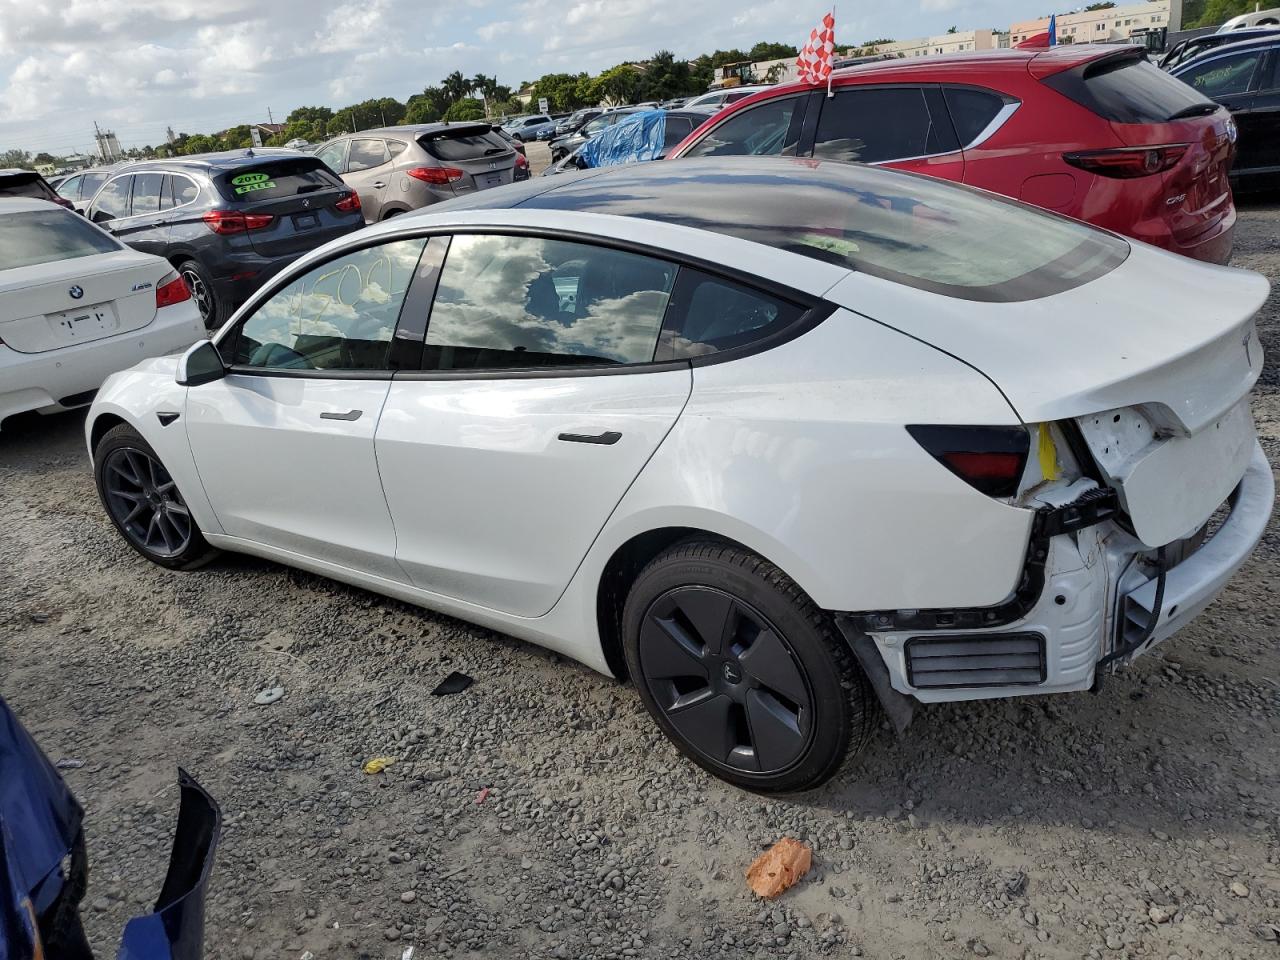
[(136, 66)]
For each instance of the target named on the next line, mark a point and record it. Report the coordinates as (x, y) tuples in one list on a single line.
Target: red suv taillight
[(233, 221), (989, 459), (522, 163), (1127, 163), (172, 289), (349, 204), (437, 175)]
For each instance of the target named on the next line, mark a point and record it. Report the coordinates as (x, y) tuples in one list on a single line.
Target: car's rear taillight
[(172, 289), (989, 459), (349, 204), (521, 162), (437, 175), (233, 221), (63, 202), (1128, 162)]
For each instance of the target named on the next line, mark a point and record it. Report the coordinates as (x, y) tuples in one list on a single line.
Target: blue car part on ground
[(636, 139), (41, 829)]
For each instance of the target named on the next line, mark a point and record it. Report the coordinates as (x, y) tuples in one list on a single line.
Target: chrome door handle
[(379, 184), (608, 438), (349, 415)]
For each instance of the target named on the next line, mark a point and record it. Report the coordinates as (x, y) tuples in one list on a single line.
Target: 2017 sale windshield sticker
[(248, 182)]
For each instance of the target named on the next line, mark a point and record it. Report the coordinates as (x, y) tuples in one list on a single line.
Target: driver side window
[(339, 316)]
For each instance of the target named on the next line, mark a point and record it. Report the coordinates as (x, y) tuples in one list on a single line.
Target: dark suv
[(226, 221), (27, 183)]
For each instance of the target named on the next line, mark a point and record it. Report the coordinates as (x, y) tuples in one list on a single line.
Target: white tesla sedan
[(76, 305), (775, 438)]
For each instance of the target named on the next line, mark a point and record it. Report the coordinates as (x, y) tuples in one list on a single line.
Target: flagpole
[(833, 50)]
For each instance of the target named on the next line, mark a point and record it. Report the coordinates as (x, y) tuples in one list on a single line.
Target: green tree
[(427, 106), (619, 84), (953, 29), (16, 158), (455, 86), (666, 77), (465, 109), (771, 51), (722, 57), (1211, 13), (236, 137), (1100, 6), (561, 91), (41, 158), (200, 143)]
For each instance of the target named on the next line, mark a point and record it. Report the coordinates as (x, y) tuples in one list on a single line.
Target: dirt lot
[(1143, 822)]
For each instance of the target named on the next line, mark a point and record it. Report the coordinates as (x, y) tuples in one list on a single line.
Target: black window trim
[(286, 277), (815, 310), (935, 106), (1224, 54), (1003, 115)]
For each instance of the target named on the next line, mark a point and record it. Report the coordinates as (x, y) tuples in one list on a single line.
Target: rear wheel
[(741, 669), (203, 293), (145, 503)]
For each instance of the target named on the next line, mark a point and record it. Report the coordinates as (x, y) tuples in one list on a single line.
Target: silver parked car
[(396, 169)]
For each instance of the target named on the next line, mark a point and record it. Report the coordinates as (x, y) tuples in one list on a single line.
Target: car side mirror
[(200, 364), (101, 216)]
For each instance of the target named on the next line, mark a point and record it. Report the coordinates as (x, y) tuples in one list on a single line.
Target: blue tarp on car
[(636, 139)]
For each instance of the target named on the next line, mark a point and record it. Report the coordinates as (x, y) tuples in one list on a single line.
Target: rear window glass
[(913, 230), (1129, 91), (43, 236), (971, 111), (276, 180), (464, 144), (92, 182), (25, 185)]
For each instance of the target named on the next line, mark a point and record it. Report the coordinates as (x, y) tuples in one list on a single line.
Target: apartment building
[(1098, 26)]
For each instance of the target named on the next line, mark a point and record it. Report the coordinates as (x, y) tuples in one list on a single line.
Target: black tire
[(213, 311), (778, 708), (144, 502)]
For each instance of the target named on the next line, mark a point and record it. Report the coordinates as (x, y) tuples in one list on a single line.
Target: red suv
[(1094, 132)]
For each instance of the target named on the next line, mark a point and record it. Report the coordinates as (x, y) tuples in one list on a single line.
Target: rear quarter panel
[(800, 454)]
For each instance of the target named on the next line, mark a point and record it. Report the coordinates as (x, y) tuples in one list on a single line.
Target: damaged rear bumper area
[(1092, 596)]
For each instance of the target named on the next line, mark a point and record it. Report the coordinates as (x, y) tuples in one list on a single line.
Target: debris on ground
[(779, 867), (481, 795), (377, 764), (269, 696), (69, 764), (453, 683)]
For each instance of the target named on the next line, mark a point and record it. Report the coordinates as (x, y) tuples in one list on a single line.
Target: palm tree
[(456, 86), (487, 86)]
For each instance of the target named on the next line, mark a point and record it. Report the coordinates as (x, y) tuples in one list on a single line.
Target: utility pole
[(270, 119)]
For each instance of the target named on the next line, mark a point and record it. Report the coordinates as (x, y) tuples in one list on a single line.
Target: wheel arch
[(99, 426)]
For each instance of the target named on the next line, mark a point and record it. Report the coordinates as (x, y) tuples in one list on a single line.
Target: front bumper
[(43, 381), (1092, 598)]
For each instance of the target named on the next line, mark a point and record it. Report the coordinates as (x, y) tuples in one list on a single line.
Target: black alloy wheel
[(144, 501), (726, 679)]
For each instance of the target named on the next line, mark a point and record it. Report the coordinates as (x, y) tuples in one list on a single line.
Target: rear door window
[(112, 201), (877, 125), (366, 154), (43, 236), (92, 184), (1225, 75), (1127, 90), (69, 189), (276, 180), (464, 144), (771, 128), (146, 193), (183, 189), (972, 111), (677, 129)]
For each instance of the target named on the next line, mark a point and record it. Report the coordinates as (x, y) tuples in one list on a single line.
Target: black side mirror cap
[(200, 364)]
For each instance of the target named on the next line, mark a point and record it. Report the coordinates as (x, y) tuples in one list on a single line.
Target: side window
[(709, 315), (334, 156), (677, 129), (971, 111), (91, 185), (366, 154), (509, 303), (1271, 76), (768, 129), (183, 189), (874, 125), (396, 147), (1224, 76), (112, 201), (339, 316), (69, 189), (146, 193), (598, 124)]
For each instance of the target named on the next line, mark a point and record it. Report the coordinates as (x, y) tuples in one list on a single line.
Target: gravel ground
[(1143, 822)]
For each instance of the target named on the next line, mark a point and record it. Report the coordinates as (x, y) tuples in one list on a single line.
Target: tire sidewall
[(219, 315), (831, 720)]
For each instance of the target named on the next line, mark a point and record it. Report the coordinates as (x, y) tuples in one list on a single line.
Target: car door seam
[(377, 466)]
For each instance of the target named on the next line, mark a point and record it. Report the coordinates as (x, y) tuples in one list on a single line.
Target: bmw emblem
[(76, 292)]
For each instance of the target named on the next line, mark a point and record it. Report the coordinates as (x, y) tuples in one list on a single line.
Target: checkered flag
[(814, 62)]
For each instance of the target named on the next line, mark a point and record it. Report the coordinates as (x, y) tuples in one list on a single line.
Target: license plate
[(87, 323), (306, 221), (490, 180)]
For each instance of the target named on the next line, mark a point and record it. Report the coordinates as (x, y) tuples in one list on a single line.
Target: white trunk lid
[(39, 312), (1165, 343)]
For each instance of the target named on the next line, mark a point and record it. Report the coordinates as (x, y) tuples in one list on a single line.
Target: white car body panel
[(489, 505), (54, 346), (277, 472)]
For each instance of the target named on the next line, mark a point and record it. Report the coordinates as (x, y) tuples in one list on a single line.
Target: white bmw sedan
[(777, 439), (76, 305)]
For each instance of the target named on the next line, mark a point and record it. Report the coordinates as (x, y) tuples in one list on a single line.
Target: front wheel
[(144, 502), (741, 669)]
